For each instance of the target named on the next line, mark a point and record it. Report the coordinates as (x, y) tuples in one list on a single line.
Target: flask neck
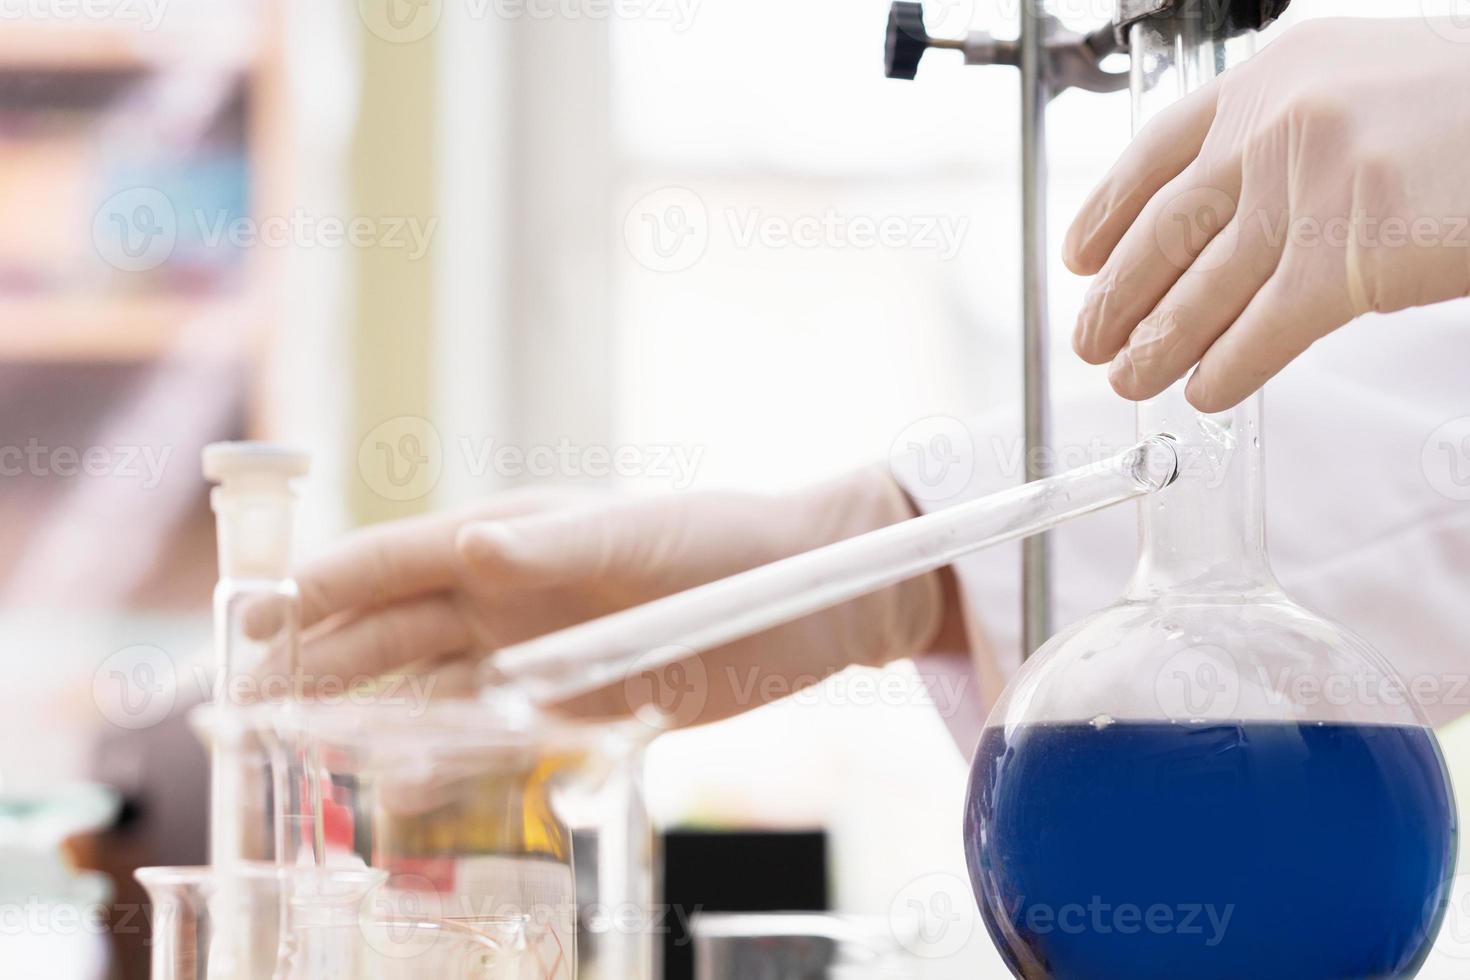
[(1206, 534)]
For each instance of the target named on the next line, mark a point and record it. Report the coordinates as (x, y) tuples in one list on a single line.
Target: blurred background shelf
[(131, 330), (89, 48)]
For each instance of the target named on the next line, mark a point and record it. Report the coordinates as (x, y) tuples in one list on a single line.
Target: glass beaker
[(265, 922), (1207, 780), (476, 809), (207, 926)]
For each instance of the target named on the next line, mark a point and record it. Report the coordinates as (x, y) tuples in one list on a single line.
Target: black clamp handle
[(908, 39), (1070, 60)]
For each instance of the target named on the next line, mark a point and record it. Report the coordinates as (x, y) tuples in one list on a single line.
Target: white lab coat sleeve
[(1368, 509)]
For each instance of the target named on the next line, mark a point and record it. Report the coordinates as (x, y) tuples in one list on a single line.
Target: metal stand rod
[(1036, 613), (1051, 60)]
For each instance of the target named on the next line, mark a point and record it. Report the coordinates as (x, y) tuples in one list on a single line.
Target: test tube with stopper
[(254, 505)]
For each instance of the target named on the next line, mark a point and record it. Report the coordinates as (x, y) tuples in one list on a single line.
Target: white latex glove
[(447, 589), (1335, 161)]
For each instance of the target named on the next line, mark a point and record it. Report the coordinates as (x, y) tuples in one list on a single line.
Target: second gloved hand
[(1322, 180), (440, 592)]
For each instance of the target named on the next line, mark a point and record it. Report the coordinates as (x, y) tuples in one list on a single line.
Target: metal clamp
[(1071, 60), (1051, 59)]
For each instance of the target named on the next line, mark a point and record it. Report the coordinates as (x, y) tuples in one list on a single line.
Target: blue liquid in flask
[(1211, 851)]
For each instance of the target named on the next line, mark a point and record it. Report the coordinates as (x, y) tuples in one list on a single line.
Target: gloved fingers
[(384, 639), (378, 566), (1285, 318), (544, 550), (1197, 310), (1160, 152), (369, 567), (1167, 239), (382, 564)]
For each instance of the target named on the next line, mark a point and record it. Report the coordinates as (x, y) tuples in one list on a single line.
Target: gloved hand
[(441, 591), (1321, 180)]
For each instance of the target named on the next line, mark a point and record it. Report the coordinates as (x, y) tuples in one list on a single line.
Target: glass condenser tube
[(585, 658)]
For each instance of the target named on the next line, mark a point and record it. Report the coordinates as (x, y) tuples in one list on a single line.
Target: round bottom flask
[(1208, 834), (1207, 780)]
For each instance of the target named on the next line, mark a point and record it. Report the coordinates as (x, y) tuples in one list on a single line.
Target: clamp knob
[(908, 39)]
